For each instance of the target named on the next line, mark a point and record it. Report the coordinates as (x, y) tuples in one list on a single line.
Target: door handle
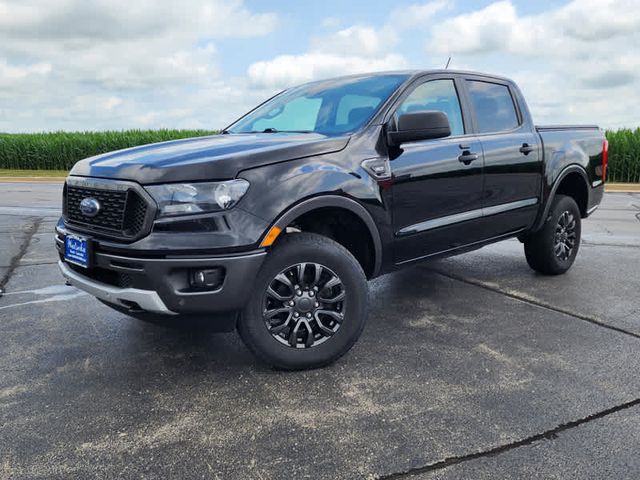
[(526, 149), (468, 157)]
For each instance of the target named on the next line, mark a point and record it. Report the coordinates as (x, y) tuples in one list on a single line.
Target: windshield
[(329, 107)]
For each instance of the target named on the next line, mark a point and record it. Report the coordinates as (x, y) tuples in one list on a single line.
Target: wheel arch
[(336, 202), (572, 181)]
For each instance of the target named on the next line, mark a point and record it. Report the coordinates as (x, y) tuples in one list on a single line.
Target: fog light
[(208, 279)]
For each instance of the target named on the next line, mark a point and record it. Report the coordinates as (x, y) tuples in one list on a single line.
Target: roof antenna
[(447, 65)]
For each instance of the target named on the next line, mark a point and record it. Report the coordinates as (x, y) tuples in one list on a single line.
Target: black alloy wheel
[(565, 238), (304, 305)]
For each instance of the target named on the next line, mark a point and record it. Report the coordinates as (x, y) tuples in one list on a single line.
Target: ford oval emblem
[(89, 207)]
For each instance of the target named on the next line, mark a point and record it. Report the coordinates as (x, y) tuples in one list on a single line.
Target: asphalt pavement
[(469, 367)]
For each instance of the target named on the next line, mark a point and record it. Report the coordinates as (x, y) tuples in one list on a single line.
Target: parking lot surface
[(469, 367)]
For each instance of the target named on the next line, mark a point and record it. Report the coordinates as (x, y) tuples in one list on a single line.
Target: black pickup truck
[(275, 225)]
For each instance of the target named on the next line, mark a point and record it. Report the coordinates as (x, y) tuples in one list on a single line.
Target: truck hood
[(217, 157)]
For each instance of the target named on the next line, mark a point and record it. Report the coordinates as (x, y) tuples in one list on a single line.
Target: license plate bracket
[(77, 250)]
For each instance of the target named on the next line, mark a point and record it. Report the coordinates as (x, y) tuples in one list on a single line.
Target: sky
[(118, 64)]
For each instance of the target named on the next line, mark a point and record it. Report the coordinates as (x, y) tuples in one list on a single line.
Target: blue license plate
[(76, 250)]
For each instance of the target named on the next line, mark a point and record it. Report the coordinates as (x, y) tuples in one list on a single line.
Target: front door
[(437, 184)]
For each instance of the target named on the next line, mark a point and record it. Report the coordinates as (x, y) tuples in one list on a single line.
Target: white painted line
[(55, 298), (52, 290), (41, 211)]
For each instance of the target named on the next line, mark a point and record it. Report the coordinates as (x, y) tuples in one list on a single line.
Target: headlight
[(189, 198)]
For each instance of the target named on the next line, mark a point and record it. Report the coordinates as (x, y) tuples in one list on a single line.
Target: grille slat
[(122, 212)]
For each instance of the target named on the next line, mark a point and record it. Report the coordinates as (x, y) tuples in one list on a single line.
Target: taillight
[(605, 158)]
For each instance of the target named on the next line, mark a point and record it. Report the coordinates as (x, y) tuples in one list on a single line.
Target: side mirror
[(424, 125)]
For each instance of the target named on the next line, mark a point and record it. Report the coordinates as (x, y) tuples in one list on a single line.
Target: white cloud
[(499, 28), (597, 20), (10, 74), (355, 49), (117, 20), (357, 40), (574, 62), (287, 70), (69, 64), (55, 55), (494, 28), (416, 14)]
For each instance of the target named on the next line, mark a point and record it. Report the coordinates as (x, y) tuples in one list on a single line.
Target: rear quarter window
[(493, 106)]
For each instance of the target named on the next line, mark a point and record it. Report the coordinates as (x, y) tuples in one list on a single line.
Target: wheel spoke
[(293, 335), (282, 278), (332, 282), (269, 314), (317, 276), (302, 267), (272, 293), (309, 340), (326, 330), (338, 298), (279, 328), (337, 316)]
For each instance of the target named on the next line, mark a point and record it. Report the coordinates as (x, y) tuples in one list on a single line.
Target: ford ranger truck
[(275, 225)]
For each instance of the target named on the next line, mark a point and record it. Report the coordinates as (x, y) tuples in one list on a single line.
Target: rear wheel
[(309, 303), (553, 249)]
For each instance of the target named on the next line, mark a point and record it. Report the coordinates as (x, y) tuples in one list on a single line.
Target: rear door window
[(493, 106)]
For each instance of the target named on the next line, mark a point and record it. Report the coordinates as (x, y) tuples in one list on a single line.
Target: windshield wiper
[(275, 130)]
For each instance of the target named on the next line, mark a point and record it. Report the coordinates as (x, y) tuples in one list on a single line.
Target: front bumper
[(124, 297), (161, 285)]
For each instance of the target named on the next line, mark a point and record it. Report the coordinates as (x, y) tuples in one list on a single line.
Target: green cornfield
[(624, 155), (60, 150)]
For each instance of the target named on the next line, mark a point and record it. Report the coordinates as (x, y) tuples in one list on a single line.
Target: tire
[(329, 314), (553, 249)]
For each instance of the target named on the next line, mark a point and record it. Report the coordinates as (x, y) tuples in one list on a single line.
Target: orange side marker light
[(271, 236)]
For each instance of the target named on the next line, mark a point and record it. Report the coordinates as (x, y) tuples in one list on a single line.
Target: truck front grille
[(123, 213)]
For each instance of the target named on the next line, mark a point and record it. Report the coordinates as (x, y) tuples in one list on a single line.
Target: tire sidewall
[(289, 252)]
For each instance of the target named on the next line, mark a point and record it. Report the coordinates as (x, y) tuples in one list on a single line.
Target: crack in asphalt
[(30, 232), (29, 264), (637, 208), (617, 245), (536, 302), (550, 434)]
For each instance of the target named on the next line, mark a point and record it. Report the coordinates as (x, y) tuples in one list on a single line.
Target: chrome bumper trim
[(146, 299)]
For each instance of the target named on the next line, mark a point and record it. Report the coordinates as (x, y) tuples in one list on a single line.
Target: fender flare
[(566, 171), (338, 201)]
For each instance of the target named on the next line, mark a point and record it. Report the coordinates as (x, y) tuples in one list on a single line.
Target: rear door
[(436, 192), (512, 162)]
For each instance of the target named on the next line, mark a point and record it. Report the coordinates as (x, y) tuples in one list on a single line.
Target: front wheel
[(553, 249), (309, 303)]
